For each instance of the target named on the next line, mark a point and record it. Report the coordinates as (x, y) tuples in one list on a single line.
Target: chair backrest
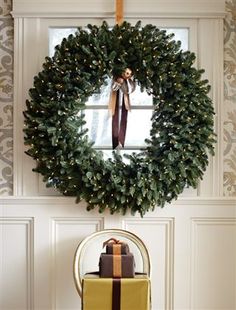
[(91, 247)]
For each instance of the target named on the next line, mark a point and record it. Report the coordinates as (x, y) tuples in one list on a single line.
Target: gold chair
[(91, 247)]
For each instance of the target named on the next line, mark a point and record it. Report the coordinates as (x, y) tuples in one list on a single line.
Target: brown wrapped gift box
[(116, 266), (134, 293)]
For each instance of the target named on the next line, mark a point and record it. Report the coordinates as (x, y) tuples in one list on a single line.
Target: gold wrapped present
[(116, 294)]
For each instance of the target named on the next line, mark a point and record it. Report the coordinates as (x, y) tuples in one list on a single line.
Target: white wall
[(191, 242)]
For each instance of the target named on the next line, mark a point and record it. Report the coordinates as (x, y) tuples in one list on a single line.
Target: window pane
[(97, 116), (138, 127), (56, 35), (103, 97), (137, 97), (181, 34), (98, 123), (140, 98)]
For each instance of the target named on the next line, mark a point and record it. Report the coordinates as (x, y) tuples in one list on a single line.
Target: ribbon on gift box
[(111, 240), (111, 266), (117, 269), (115, 247), (118, 261), (116, 294)]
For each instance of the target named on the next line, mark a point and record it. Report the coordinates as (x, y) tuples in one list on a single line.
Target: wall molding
[(56, 224), (196, 223), (168, 224), (28, 224), (111, 15), (106, 9), (61, 200)]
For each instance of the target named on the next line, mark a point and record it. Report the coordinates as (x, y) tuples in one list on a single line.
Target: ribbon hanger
[(122, 86), (119, 12)]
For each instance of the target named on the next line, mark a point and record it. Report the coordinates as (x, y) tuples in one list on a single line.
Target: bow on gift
[(111, 240), (116, 247), (121, 88)]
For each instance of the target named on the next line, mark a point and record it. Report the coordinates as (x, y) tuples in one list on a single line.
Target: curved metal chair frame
[(81, 249)]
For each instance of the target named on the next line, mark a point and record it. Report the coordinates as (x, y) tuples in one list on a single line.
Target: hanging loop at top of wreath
[(119, 12)]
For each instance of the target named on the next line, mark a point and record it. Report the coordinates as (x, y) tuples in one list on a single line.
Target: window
[(98, 120)]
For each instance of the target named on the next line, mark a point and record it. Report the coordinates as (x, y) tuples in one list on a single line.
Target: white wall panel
[(213, 270), (210, 57), (191, 242), (16, 263), (67, 233), (158, 235)]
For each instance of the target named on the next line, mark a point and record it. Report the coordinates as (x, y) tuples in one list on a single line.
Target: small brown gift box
[(116, 266), (116, 247)]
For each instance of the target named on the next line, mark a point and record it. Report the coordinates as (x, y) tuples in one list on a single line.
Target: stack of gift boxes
[(116, 286)]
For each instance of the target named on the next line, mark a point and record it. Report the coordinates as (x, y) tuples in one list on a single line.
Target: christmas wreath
[(181, 136)]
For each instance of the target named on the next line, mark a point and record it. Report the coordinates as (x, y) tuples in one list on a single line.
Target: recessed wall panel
[(158, 234), (213, 269), (67, 234), (16, 264)]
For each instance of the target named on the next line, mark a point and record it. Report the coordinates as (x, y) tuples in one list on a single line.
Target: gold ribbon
[(117, 266), (116, 249), (112, 102)]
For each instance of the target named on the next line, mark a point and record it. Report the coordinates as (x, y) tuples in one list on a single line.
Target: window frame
[(33, 32)]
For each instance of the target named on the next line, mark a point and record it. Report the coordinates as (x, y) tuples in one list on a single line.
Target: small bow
[(111, 240)]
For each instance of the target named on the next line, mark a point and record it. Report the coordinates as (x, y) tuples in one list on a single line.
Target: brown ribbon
[(119, 130), (116, 293), (119, 126)]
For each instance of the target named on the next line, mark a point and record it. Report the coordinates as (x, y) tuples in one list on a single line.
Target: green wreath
[(176, 154)]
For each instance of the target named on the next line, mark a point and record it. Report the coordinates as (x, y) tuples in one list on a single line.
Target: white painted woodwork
[(16, 243), (213, 244), (132, 8), (192, 242), (160, 244)]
